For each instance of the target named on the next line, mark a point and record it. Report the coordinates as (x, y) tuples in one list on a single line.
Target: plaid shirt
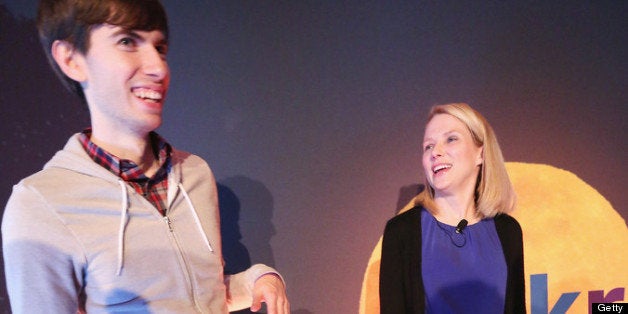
[(154, 189)]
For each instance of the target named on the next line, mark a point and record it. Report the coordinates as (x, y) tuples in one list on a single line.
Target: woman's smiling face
[(451, 160)]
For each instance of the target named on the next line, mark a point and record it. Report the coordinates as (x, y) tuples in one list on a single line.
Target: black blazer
[(400, 279)]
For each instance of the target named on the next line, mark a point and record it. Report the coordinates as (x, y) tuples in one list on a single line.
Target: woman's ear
[(480, 158), (69, 60)]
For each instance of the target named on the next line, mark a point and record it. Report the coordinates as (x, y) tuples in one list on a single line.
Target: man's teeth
[(147, 94), (441, 167)]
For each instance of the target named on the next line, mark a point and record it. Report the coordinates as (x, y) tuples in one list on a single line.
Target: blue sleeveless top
[(462, 273)]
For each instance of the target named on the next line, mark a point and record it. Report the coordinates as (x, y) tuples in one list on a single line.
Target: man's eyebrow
[(121, 31), (163, 41), (127, 32)]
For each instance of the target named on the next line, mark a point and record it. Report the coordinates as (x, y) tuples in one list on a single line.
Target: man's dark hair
[(73, 20)]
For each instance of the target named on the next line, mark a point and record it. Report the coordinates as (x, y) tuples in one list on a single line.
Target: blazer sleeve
[(391, 277), (511, 237)]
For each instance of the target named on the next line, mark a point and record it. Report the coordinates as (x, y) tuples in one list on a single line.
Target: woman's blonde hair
[(493, 192)]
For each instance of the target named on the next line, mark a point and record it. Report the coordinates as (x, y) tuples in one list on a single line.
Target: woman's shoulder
[(411, 216), (505, 221)]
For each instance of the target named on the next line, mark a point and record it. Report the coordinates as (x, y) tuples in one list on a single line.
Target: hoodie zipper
[(185, 263), (169, 223)]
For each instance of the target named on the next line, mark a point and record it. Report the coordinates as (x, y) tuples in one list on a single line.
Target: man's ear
[(69, 60)]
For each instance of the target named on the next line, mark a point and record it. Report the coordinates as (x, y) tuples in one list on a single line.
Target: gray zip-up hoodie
[(77, 237)]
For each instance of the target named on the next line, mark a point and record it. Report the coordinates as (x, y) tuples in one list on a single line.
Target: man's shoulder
[(68, 168), (186, 158), (189, 165)]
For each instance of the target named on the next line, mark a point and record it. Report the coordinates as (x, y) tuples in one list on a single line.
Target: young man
[(119, 221)]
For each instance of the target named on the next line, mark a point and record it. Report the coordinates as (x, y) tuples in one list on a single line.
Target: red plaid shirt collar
[(154, 189)]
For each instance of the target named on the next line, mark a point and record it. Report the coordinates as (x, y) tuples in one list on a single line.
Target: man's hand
[(270, 290)]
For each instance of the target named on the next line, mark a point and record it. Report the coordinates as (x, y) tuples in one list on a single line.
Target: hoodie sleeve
[(240, 286), (41, 273)]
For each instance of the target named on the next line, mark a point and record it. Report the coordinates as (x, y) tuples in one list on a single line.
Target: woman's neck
[(451, 210)]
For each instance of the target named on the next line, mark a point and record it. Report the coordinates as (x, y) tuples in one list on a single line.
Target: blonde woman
[(457, 250)]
